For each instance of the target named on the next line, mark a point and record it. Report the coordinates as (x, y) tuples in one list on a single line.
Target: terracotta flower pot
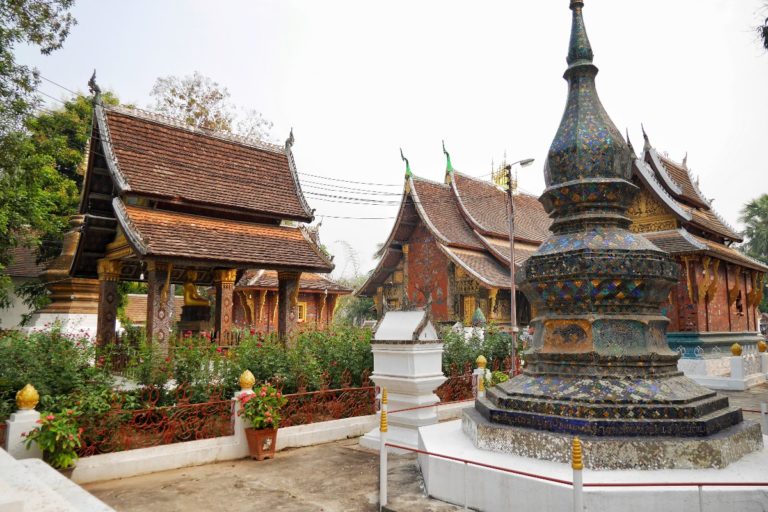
[(262, 442)]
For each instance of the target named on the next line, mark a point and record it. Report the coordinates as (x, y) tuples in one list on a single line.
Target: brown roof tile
[(308, 282), (486, 207), (167, 160), (24, 263), (442, 213), (220, 242), (679, 241), (480, 265)]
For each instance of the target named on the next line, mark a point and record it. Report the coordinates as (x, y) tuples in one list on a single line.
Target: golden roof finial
[(762, 346), (577, 459), (247, 380), (481, 361), (384, 396), (736, 349), (27, 398)]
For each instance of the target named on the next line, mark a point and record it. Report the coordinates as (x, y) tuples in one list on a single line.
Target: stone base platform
[(643, 453), (491, 490)]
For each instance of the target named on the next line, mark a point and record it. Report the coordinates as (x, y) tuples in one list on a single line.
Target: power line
[(59, 85), (351, 181)]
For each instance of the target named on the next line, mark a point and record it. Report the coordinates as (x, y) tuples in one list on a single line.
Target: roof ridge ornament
[(290, 140), (408, 172), (448, 166), (93, 87), (646, 140)]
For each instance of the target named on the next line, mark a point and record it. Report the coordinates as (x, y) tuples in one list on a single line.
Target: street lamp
[(512, 299)]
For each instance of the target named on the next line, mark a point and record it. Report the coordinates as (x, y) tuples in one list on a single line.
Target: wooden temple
[(715, 303), (451, 242), (256, 300), (168, 204)]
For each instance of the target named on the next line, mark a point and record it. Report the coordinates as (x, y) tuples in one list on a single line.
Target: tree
[(41, 23), (40, 176), (200, 102), (754, 215), (352, 309)]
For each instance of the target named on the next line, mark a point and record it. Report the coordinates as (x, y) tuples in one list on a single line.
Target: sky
[(358, 80)]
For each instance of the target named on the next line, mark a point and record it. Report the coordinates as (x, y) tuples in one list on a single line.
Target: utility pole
[(512, 288)]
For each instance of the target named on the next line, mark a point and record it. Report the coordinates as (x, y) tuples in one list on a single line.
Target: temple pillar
[(287, 299), (109, 276), (224, 280), (159, 304)]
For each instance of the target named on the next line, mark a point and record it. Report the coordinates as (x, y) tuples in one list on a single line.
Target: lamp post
[(512, 299)]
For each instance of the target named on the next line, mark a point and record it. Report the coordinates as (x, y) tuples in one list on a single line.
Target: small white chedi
[(407, 361)]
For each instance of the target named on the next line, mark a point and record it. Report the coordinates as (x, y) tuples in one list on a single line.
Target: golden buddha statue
[(191, 297)]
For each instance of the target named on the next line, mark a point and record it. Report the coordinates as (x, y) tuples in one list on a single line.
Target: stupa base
[(644, 453), (491, 490)]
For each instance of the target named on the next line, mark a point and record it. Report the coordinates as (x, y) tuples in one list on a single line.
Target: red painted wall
[(428, 272)]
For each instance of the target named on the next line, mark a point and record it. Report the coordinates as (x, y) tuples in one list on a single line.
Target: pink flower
[(263, 393), (218, 350), (71, 437), (39, 421), (253, 331), (50, 417)]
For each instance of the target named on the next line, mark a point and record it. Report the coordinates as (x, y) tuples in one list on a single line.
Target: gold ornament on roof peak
[(736, 349), (27, 398), (481, 361), (247, 380)]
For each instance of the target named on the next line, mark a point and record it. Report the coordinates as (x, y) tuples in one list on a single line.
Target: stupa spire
[(579, 49)]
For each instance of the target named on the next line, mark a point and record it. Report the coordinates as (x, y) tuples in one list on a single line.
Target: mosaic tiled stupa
[(600, 366)]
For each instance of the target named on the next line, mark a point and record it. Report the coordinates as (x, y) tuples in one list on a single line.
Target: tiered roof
[(309, 282), (701, 229), (468, 219), (190, 197)]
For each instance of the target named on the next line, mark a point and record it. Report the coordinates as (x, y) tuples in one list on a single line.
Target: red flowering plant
[(58, 437), (262, 407)]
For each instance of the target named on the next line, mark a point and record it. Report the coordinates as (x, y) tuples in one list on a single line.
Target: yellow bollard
[(383, 451), (577, 463)]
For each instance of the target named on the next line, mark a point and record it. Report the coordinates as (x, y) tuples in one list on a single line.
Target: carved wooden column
[(109, 275), (224, 280), (159, 303), (287, 299)]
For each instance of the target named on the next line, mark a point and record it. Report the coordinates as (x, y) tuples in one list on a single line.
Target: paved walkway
[(334, 477)]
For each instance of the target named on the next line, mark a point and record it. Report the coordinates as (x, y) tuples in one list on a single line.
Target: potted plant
[(58, 437), (261, 409)]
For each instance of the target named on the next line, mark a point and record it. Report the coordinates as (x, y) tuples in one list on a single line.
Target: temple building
[(256, 300), (168, 204), (450, 243), (715, 302)]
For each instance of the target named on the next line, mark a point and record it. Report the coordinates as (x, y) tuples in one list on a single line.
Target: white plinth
[(726, 372), (76, 324), (492, 490), (19, 423), (410, 372)]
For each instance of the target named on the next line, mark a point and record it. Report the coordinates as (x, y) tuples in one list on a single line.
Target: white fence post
[(247, 381), (21, 422), (383, 451), (577, 463)]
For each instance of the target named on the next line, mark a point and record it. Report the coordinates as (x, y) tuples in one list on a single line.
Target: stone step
[(32, 485), (581, 409), (696, 427)]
